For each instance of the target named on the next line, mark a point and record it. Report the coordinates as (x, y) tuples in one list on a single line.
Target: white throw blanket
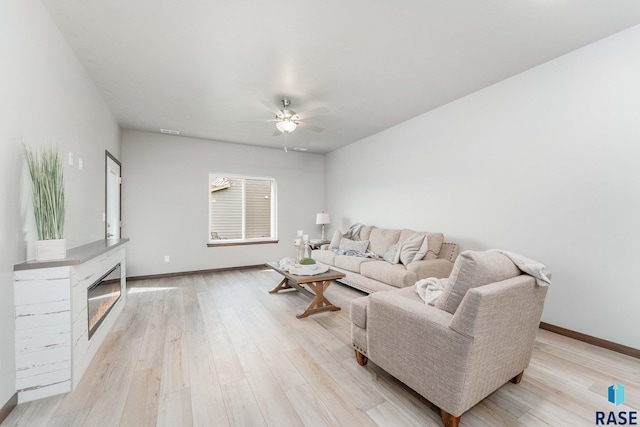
[(429, 289), (354, 234), (289, 264), (528, 266), (308, 270), (286, 263)]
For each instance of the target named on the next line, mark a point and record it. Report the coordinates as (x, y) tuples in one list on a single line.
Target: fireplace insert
[(101, 297)]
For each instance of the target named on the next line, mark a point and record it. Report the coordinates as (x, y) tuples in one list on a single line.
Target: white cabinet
[(53, 349)]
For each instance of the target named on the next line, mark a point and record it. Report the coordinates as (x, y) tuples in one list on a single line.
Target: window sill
[(240, 243)]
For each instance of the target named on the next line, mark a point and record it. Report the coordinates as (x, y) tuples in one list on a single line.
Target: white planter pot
[(47, 250)]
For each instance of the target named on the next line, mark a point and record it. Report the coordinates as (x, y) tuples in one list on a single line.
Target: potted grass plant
[(47, 183), (308, 263)]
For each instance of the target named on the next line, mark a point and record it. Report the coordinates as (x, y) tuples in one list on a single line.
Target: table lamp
[(323, 218)]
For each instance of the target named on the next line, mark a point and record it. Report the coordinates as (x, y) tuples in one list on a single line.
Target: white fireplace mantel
[(53, 349)]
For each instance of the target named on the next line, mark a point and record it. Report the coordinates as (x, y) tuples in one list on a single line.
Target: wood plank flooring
[(218, 350)]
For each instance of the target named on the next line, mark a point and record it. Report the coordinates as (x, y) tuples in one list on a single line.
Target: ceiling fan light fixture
[(286, 126)]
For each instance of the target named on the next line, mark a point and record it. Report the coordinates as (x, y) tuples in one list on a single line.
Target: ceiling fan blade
[(312, 112), (257, 121), (277, 133), (310, 127), (271, 106)]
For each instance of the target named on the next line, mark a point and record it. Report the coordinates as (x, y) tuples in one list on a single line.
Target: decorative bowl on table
[(309, 263)]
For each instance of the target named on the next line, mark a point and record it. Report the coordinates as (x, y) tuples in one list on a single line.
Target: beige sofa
[(373, 275), (478, 336)]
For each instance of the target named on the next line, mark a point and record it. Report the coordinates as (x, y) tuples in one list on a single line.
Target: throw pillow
[(473, 269), (358, 246), (335, 240), (392, 255), (430, 247), (410, 247)]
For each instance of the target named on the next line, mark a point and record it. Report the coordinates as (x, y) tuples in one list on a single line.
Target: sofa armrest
[(358, 312), (439, 268), (391, 315), (396, 322), (410, 309)]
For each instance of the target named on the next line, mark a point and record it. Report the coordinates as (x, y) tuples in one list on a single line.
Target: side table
[(317, 243)]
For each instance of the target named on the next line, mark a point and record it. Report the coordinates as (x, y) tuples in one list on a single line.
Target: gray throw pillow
[(410, 247), (392, 255), (358, 246)]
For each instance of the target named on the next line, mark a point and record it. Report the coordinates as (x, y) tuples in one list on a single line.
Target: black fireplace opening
[(101, 297)]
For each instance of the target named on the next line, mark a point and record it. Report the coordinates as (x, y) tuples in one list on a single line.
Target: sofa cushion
[(365, 232), (394, 275), (410, 247), (392, 255), (351, 263), (358, 246), (473, 269), (324, 256), (380, 240)]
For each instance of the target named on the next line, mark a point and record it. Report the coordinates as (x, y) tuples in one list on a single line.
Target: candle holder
[(298, 244)]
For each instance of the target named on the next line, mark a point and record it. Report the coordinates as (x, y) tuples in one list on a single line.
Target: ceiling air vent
[(169, 131)]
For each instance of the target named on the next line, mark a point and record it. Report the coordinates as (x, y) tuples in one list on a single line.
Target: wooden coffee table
[(317, 283)]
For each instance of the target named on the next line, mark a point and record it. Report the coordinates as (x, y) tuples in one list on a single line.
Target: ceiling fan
[(287, 120)]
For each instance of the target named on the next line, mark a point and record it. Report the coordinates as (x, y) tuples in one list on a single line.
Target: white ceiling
[(201, 66)]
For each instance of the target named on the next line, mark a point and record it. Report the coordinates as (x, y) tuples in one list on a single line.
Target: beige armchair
[(478, 336)]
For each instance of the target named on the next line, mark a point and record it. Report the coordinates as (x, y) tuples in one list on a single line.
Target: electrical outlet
[(167, 258), (80, 163), (70, 158)]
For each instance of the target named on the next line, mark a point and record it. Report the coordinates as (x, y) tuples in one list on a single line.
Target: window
[(241, 209)]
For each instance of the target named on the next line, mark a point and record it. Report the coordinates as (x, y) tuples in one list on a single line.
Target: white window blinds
[(241, 208)]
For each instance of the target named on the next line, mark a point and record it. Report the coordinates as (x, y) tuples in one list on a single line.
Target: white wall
[(165, 207), (45, 97), (545, 163)]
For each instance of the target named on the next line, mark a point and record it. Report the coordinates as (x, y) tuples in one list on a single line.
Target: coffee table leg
[(282, 285), (319, 302)]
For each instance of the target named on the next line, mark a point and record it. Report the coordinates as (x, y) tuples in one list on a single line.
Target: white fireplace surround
[(53, 349)]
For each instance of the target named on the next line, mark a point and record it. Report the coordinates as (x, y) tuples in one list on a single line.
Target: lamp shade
[(323, 218)]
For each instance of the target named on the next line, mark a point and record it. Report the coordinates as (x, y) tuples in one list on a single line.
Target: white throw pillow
[(410, 247), (335, 240), (358, 246)]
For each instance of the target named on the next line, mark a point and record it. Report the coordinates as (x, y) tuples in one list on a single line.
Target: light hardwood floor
[(218, 350)]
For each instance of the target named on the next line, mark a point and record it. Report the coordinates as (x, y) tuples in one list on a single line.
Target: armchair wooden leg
[(449, 420), (361, 358), (517, 378)]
